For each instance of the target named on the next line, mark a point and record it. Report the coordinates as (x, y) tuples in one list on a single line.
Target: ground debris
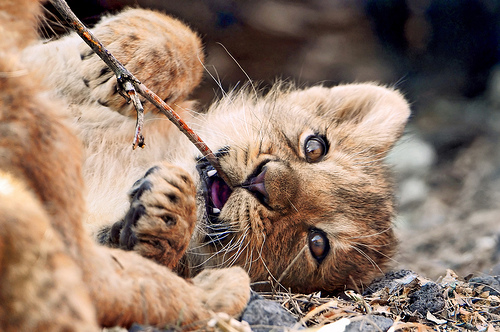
[(400, 301)]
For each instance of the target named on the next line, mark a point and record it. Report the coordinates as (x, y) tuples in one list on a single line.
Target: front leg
[(161, 217)]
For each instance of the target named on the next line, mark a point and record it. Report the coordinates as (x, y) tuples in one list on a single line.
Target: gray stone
[(265, 315), (428, 298), (412, 155), (490, 283), (392, 281), (370, 323)]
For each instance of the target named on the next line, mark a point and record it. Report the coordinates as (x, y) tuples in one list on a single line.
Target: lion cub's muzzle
[(274, 183)]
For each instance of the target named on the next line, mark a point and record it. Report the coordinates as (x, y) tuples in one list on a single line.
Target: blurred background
[(443, 55)]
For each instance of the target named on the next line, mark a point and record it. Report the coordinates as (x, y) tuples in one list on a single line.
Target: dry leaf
[(459, 300), (338, 326), (329, 305), (450, 278), (381, 309), (434, 319)]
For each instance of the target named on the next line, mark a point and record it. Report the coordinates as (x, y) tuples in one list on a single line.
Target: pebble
[(266, 315), (491, 283), (427, 299), (412, 155), (370, 324)]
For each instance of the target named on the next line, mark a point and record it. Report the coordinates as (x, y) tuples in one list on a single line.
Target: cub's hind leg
[(161, 218), (41, 286)]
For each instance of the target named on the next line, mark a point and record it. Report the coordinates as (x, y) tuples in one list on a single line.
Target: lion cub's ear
[(369, 115)]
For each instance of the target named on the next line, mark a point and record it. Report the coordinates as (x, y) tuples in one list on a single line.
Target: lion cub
[(309, 205), (306, 166)]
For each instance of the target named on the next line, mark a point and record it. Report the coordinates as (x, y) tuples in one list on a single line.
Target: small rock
[(391, 280), (370, 324), (265, 315), (490, 283), (412, 156), (142, 328), (425, 295), (367, 323), (412, 191), (428, 298)]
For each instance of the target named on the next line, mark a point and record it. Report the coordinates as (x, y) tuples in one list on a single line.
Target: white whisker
[(239, 66), (368, 258), (216, 80), (371, 235), (377, 251)]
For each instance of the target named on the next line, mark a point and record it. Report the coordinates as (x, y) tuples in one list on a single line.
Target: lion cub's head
[(312, 202)]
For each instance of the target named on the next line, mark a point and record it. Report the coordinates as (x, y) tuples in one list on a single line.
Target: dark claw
[(114, 233), (128, 239), (151, 170), (104, 237), (137, 192)]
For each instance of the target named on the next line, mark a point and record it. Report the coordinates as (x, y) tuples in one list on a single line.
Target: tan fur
[(52, 275), (347, 196)]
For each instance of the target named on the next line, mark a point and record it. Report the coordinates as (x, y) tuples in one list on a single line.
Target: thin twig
[(183, 127), (126, 81), (138, 137), (130, 84)]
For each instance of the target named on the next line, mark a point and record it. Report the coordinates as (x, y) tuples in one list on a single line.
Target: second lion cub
[(53, 276)]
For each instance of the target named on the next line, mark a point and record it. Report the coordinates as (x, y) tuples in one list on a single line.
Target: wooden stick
[(131, 85), (183, 127), (132, 95)]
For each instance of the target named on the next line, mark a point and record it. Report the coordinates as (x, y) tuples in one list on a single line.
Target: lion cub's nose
[(256, 184)]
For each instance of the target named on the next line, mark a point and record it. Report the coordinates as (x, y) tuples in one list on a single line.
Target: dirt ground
[(441, 54)]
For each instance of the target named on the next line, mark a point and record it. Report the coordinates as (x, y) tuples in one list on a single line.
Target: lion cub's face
[(311, 203)]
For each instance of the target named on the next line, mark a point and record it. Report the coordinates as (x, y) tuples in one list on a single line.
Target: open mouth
[(216, 193)]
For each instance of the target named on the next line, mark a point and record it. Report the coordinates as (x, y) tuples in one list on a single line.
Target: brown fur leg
[(128, 288), (41, 287), (52, 275)]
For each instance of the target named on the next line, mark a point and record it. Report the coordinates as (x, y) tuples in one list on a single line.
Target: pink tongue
[(219, 193)]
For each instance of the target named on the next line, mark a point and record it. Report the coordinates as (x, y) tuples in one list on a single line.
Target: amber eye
[(318, 244), (315, 149)]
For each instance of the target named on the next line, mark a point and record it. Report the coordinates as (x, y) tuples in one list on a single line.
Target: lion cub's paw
[(161, 217), (224, 290)]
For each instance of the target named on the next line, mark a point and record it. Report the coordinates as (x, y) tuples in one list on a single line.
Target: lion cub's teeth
[(215, 210), (211, 172)]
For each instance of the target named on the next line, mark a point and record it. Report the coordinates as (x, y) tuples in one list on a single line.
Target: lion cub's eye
[(318, 244), (315, 149)]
